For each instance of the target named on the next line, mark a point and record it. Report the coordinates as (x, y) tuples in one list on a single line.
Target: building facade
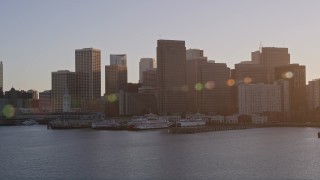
[(88, 74), (145, 64), (215, 94), (62, 81), (116, 78), (45, 99), (295, 74), (171, 73), (119, 59), (313, 94), (248, 72), (272, 57), (259, 98)]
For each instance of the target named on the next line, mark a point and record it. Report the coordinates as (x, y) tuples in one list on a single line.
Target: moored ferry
[(192, 120), (108, 125), (149, 121)]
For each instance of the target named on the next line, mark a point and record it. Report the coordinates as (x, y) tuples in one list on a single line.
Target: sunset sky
[(40, 36)]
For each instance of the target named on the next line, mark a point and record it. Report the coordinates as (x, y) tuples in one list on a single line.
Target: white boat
[(149, 121), (29, 122), (107, 125), (192, 120)]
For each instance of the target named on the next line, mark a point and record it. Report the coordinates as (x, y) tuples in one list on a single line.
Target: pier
[(200, 129)]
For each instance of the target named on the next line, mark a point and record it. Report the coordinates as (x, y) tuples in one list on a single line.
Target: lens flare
[(209, 85), (288, 75), (231, 82), (112, 98), (8, 111), (198, 86), (247, 80)]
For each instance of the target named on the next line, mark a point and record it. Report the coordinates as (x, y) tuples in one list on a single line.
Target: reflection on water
[(269, 153)]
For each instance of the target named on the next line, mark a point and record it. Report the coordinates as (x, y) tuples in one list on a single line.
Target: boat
[(318, 134), (192, 120), (108, 125), (29, 122), (74, 121), (147, 122)]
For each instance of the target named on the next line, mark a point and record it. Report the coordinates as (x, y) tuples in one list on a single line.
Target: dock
[(200, 129)]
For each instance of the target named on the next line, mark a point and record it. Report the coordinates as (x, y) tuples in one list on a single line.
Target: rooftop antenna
[(260, 46)]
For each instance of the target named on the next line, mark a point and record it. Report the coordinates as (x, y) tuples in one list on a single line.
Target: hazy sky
[(40, 36)]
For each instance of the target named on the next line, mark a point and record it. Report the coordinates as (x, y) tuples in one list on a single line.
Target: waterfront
[(33, 152)]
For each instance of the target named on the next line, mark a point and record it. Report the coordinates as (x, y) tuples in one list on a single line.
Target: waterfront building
[(119, 59), (313, 94), (88, 74), (171, 73), (259, 98), (144, 65), (134, 103), (60, 82)]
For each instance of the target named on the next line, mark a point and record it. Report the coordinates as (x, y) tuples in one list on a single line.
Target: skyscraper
[(145, 64), (314, 94), (88, 74), (271, 58), (296, 75), (1, 75), (194, 54), (45, 99), (195, 60), (120, 59), (255, 57), (215, 94), (250, 72), (116, 78), (171, 72), (62, 81)]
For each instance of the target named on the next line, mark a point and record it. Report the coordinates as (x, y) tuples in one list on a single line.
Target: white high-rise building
[(259, 98), (119, 59), (145, 64)]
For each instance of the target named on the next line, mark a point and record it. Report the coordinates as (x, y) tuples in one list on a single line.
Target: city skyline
[(55, 31)]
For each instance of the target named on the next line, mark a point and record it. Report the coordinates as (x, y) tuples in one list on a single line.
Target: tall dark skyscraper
[(215, 95), (171, 72), (195, 60), (271, 58), (88, 74), (248, 71)]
